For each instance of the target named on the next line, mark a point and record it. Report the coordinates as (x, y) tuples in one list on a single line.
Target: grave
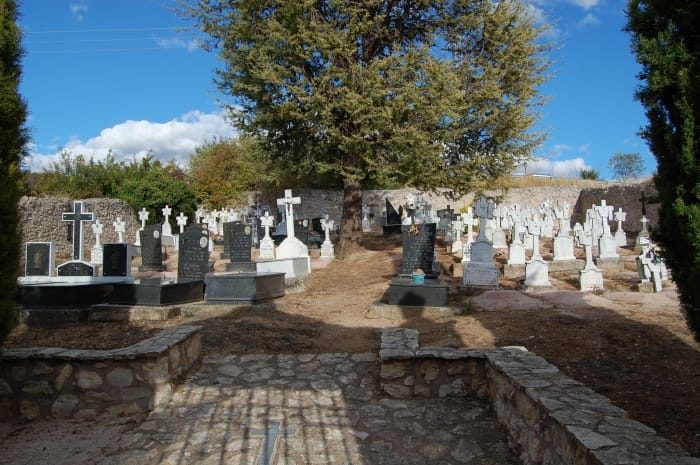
[(117, 260), (291, 256), (76, 266), (418, 284), (590, 277), (480, 271), (96, 253), (239, 238), (267, 245), (564, 259), (327, 245), (620, 235), (151, 249), (392, 220), (536, 270), (193, 253)]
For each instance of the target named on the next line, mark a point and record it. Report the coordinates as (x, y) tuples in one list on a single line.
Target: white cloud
[(78, 10), (539, 18), (589, 20), (175, 140), (585, 4), (558, 168), (190, 45)]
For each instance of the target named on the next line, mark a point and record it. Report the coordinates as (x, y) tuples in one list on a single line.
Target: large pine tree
[(13, 138), (424, 93), (666, 40)]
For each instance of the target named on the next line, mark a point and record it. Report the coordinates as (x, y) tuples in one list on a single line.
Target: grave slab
[(430, 293), (157, 292), (244, 287)]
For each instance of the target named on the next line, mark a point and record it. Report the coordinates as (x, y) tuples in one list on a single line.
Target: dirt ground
[(632, 347)]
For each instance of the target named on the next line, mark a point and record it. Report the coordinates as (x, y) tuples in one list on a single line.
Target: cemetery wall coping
[(67, 383), (552, 418)]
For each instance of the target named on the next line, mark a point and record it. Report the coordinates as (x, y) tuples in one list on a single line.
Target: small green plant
[(589, 174)]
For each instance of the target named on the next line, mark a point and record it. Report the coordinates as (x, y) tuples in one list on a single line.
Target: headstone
[(536, 270), (240, 242), (143, 217), (563, 244), (516, 250), (327, 245), (151, 248), (291, 247), (117, 260), (267, 245), (119, 228), (199, 214), (590, 278), (481, 271), (75, 268), (470, 221), (40, 259), (181, 222), (77, 217), (457, 248), (166, 230), (418, 249), (607, 248), (643, 238), (366, 227), (193, 253), (620, 236), (96, 255), (392, 220)]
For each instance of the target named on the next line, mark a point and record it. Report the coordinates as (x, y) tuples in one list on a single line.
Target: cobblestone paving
[(308, 409)]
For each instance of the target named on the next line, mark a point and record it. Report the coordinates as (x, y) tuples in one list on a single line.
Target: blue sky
[(127, 76)]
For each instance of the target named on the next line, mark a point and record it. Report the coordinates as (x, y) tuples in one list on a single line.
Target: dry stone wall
[(41, 221)]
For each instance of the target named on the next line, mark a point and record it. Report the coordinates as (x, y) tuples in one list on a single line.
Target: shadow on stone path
[(307, 409)]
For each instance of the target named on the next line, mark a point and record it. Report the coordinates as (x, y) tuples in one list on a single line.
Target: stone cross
[(327, 224), (288, 201), (182, 222), (620, 216), (484, 210), (143, 217), (644, 222), (166, 223), (469, 220), (77, 216), (97, 229), (119, 228), (584, 237), (517, 222), (562, 214), (604, 213), (365, 212), (267, 221), (199, 214)]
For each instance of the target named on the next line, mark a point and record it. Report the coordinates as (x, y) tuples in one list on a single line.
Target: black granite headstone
[(151, 248), (316, 226), (418, 248), (392, 216), (239, 243), (193, 254), (228, 233), (38, 259), (75, 268), (115, 259)]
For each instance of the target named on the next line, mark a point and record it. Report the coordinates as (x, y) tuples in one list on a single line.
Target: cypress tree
[(13, 139), (666, 41)]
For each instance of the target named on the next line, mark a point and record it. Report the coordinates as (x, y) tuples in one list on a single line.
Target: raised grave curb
[(552, 418), (42, 382)]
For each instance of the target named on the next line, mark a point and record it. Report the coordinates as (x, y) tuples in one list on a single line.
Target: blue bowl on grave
[(418, 278)]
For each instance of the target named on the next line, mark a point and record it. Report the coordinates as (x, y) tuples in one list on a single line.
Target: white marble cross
[(605, 213), (199, 214), (484, 210), (267, 222), (644, 222), (534, 227), (182, 222), (327, 225), (620, 216), (288, 201), (584, 237), (166, 211), (120, 228), (97, 229), (562, 214), (143, 217)]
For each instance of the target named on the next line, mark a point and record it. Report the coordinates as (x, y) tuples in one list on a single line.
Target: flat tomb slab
[(156, 292), (293, 268), (65, 294), (430, 293), (244, 287)]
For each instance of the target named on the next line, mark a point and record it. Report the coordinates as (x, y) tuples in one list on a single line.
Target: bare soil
[(633, 348)]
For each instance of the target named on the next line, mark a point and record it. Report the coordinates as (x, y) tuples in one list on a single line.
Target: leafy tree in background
[(665, 39), (427, 94), (13, 139), (591, 174), (626, 165)]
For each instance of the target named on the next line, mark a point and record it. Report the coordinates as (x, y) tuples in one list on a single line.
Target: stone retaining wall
[(552, 418), (63, 383)]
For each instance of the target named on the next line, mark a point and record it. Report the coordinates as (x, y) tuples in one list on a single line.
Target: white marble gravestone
[(498, 237), (536, 270), (643, 237), (143, 217), (620, 236), (516, 250), (366, 227), (607, 248), (181, 222), (96, 254), (481, 271), (119, 228), (327, 246), (267, 245), (563, 244), (166, 229), (590, 278), (291, 247)]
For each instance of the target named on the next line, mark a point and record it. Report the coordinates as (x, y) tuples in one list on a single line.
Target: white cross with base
[(199, 214), (534, 227), (288, 201), (143, 217), (484, 210), (584, 237), (620, 216), (166, 211), (644, 222), (270, 437), (97, 229), (182, 222), (605, 213), (327, 225), (267, 221), (120, 228)]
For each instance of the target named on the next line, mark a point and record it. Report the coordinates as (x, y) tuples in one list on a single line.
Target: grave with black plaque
[(418, 284), (151, 249), (228, 232), (193, 254), (240, 241), (392, 220), (116, 259)]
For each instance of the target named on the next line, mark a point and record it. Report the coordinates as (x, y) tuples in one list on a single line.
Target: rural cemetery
[(405, 401)]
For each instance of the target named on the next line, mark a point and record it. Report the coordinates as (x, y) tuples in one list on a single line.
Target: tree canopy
[(13, 139), (626, 165), (665, 39), (422, 93)]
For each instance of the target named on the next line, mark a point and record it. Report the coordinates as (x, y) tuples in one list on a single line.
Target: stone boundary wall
[(552, 418), (40, 220), (62, 383)]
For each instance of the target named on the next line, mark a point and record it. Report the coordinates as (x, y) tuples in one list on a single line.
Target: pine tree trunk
[(351, 222)]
